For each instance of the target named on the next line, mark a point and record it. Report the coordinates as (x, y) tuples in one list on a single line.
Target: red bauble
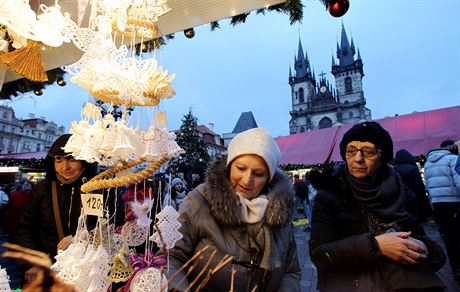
[(338, 8)]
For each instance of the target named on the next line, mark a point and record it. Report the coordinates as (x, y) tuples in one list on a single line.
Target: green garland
[(23, 85), (32, 163)]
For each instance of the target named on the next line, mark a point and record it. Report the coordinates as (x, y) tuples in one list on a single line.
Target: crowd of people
[(365, 215)]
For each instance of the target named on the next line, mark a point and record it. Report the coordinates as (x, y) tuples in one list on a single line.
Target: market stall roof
[(183, 15), (417, 132), (28, 155)]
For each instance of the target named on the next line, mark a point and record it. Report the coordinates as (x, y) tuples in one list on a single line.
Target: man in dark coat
[(408, 170)]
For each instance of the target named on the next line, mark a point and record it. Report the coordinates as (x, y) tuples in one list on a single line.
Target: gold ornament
[(27, 62)]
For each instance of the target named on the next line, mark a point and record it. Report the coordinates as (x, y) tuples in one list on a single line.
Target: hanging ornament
[(338, 8)]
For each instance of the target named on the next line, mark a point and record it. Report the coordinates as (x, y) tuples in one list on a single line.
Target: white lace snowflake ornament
[(168, 226)]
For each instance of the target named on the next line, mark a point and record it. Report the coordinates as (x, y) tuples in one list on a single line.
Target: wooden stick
[(202, 271), (185, 265), (232, 282)]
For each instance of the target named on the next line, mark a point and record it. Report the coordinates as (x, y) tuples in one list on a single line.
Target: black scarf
[(381, 197)]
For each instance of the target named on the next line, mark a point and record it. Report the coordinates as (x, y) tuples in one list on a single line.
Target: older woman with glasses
[(362, 238)]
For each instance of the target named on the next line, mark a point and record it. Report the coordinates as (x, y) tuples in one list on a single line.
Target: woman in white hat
[(243, 210)]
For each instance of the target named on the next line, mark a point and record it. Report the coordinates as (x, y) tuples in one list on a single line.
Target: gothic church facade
[(316, 104)]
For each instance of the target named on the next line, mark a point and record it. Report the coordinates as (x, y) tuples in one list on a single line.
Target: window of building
[(350, 114), (325, 123), (5, 115), (38, 147), (302, 129), (348, 85), (301, 95)]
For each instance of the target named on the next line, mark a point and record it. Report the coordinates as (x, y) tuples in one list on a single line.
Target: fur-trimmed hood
[(226, 206)]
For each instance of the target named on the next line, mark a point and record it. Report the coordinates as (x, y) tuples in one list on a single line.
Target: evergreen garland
[(23, 85)]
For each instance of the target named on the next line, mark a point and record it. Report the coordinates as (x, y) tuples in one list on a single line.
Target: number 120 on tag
[(93, 204)]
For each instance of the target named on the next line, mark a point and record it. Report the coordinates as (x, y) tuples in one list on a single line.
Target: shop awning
[(184, 14), (28, 155), (308, 147), (416, 132)]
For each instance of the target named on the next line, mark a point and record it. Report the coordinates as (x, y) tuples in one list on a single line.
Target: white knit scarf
[(252, 211)]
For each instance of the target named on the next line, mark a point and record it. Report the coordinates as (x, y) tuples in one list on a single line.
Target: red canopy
[(417, 132)]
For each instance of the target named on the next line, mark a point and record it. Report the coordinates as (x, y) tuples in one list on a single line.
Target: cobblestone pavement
[(310, 275)]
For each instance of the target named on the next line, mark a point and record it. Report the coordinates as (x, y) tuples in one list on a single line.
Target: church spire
[(359, 55), (345, 52), (333, 60), (301, 62)]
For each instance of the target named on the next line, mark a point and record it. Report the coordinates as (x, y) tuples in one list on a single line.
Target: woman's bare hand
[(65, 242), (400, 247)]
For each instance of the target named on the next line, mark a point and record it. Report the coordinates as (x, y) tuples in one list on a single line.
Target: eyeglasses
[(366, 152)]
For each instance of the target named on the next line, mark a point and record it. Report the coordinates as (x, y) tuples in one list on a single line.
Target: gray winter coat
[(211, 215), (441, 180)]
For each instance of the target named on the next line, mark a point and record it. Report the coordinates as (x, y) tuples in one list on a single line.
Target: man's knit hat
[(369, 132), (255, 141)]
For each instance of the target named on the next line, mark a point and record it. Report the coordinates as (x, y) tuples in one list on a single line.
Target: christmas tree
[(196, 157)]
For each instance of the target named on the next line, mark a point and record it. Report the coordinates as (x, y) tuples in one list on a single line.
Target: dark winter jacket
[(342, 244), (37, 227), (408, 170), (301, 189), (211, 215)]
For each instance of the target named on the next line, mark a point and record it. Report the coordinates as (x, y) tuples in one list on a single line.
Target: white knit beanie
[(255, 141)]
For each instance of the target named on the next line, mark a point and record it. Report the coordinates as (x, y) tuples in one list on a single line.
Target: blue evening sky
[(410, 50)]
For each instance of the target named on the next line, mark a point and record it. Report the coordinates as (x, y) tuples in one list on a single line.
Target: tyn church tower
[(315, 103)]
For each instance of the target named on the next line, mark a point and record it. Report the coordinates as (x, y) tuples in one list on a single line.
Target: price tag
[(93, 204)]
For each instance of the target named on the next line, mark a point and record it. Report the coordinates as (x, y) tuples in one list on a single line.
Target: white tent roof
[(184, 14)]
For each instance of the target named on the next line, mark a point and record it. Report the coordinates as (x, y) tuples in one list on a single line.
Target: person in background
[(362, 238), (243, 209), (405, 165), (51, 216), (15, 207), (301, 196), (443, 186), (311, 195), (197, 179), (178, 192)]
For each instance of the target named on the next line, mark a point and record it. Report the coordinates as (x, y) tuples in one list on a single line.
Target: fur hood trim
[(226, 206)]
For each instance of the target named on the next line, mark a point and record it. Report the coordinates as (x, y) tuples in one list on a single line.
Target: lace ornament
[(121, 269), (150, 279), (99, 274), (4, 280), (132, 234), (142, 210), (168, 225)]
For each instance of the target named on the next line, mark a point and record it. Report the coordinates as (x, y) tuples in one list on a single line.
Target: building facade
[(214, 143), (317, 104), (26, 135)]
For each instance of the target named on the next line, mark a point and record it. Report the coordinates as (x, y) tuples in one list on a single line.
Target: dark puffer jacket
[(343, 248), (37, 227), (408, 170), (211, 215)]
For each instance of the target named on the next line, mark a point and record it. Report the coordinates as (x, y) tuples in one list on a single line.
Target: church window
[(302, 129), (348, 87), (325, 123), (296, 95), (350, 114), (301, 97)]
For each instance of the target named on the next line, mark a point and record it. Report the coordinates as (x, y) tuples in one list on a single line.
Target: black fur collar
[(225, 204)]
